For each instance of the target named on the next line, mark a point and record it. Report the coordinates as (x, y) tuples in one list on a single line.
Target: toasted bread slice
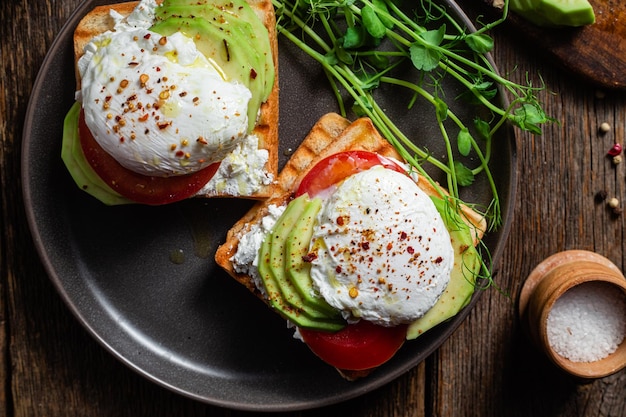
[(98, 20), (330, 135)]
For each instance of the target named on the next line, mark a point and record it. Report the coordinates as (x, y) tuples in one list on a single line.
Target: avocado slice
[(210, 10), (231, 34), (280, 291), (555, 13), (467, 265), (83, 174), (297, 270), (279, 257)]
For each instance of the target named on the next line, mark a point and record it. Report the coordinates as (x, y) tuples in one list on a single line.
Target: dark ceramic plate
[(142, 279)]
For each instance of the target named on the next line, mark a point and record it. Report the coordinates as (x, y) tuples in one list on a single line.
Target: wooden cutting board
[(595, 52)]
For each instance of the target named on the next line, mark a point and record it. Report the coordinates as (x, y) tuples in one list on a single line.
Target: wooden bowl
[(547, 283)]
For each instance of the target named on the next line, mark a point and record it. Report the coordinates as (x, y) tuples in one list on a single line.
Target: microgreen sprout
[(359, 44)]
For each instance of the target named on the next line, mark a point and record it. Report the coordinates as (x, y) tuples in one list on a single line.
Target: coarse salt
[(588, 322)]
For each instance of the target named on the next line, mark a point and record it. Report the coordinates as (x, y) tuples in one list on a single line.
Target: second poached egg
[(157, 104)]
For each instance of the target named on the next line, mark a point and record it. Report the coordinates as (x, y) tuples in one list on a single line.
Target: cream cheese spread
[(241, 172), (246, 259)]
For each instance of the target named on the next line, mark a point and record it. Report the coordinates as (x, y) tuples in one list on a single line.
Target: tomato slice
[(140, 188), (328, 172), (356, 347)]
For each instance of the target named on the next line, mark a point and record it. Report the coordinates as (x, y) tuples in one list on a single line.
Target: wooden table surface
[(50, 366)]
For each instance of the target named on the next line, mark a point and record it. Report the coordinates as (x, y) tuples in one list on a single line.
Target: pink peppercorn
[(615, 150)]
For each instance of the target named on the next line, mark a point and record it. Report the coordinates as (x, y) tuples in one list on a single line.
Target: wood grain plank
[(52, 367)]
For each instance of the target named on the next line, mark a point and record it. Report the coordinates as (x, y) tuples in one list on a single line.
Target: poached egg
[(383, 253), (156, 103)]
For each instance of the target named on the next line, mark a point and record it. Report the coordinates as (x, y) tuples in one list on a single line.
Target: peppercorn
[(615, 150), (613, 203), (601, 196), (617, 160), (605, 127)]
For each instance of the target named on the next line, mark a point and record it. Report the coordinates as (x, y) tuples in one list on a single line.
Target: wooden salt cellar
[(551, 279)]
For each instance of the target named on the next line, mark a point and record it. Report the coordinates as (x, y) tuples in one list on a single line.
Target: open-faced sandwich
[(175, 100), (354, 249)]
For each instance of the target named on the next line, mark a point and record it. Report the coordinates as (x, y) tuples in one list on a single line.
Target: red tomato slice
[(356, 347), (335, 168), (140, 188)]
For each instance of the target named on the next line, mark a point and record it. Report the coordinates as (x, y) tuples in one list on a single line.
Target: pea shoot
[(359, 44)]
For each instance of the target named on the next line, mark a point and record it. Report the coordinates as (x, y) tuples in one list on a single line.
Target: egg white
[(383, 251)]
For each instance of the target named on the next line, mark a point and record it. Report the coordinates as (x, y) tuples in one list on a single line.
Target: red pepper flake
[(309, 257), (410, 250), (365, 245), (403, 236), (180, 154), (338, 269), (253, 74), (163, 125), (340, 220), (147, 36), (438, 260)]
